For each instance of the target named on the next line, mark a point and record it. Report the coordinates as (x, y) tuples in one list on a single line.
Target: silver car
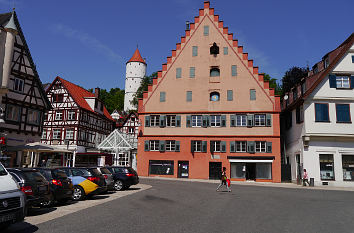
[(108, 177)]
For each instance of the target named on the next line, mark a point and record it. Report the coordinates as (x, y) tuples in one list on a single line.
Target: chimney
[(97, 92), (187, 25)]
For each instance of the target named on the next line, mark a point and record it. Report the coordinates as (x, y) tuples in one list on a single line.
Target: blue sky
[(88, 42)]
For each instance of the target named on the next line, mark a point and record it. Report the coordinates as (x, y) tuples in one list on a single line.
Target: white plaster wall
[(91, 103), (135, 72), (135, 69), (2, 51), (346, 64)]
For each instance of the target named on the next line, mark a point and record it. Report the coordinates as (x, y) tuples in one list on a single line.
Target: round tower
[(135, 72)]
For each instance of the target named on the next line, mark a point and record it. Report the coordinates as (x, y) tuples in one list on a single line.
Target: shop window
[(264, 171), (161, 167), (214, 96), (321, 113), (348, 167), (214, 72), (326, 167), (343, 113), (238, 170)]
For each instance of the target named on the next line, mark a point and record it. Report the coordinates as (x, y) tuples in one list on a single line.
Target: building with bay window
[(209, 108), (318, 130)]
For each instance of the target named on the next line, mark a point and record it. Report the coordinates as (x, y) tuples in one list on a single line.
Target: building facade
[(135, 72), (78, 122), (318, 130), (209, 108), (23, 101)]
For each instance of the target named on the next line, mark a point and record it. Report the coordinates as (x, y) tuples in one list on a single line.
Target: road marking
[(74, 207)]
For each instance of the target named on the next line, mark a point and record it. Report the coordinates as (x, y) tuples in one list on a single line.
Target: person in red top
[(223, 180), (305, 178)]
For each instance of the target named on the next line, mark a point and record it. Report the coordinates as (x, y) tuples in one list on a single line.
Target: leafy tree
[(143, 87), (293, 76), (114, 99), (273, 84)]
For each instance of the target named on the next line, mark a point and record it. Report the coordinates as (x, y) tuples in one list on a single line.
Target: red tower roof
[(137, 57)]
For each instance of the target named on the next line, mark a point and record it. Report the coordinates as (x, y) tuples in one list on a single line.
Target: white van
[(12, 200)]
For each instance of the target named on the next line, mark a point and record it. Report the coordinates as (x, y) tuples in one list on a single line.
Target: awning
[(36, 147)]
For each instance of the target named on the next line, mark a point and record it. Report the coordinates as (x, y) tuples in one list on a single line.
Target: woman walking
[(223, 180)]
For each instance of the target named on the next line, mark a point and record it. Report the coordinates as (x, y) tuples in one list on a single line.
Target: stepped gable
[(136, 57), (79, 94), (207, 13)]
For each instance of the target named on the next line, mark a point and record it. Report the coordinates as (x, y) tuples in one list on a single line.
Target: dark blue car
[(123, 177)]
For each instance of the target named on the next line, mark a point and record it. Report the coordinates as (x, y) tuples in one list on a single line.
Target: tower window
[(214, 96), (214, 49), (214, 72)]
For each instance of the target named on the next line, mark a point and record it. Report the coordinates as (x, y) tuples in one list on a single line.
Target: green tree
[(273, 84), (293, 76), (143, 87)]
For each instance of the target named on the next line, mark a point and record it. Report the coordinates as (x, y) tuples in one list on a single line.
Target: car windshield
[(34, 176), (2, 170), (59, 174), (95, 172), (80, 172), (105, 170)]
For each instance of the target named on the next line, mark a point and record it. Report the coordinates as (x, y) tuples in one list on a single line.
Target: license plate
[(7, 217)]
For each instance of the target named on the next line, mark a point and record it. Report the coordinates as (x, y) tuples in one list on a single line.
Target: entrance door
[(183, 169), (250, 171), (214, 170)]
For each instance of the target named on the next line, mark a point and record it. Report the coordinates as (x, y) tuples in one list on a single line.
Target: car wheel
[(118, 185), (78, 193)]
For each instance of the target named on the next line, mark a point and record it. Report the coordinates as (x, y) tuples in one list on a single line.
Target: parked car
[(123, 177), (33, 184), (61, 187), (86, 181), (12, 200), (108, 176)]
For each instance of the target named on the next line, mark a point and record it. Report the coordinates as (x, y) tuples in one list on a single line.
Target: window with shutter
[(321, 113), (170, 145), (250, 120), (232, 120)]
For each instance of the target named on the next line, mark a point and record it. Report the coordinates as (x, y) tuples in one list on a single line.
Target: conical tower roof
[(11, 24), (137, 57)]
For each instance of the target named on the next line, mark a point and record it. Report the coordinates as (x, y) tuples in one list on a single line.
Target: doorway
[(250, 171), (215, 170), (183, 169)]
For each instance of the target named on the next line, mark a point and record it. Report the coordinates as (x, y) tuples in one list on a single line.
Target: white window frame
[(197, 146), (215, 121), (154, 120), (71, 115), (69, 132), (170, 145), (131, 130), (154, 145), (19, 84), (241, 146), (33, 117), (259, 120), (343, 81), (241, 120), (217, 146), (44, 135), (261, 146), (59, 115), (56, 134), (197, 121), (171, 121)]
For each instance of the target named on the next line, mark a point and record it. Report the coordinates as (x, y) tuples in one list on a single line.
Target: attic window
[(326, 62), (214, 72), (214, 49), (214, 96), (315, 69)]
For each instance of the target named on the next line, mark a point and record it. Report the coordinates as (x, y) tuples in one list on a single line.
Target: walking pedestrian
[(223, 180), (305, 179)]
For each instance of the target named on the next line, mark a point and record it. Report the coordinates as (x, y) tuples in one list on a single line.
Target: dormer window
[(326, 62), (214, 49), (214, 96), (315, 69), (214, 72)]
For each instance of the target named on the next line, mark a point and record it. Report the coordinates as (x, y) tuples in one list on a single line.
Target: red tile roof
[(79, 94), (137, 57)]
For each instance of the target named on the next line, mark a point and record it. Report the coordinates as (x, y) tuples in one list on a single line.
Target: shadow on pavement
[(97, 197), (133, 189), (39, 211), (22, 227)]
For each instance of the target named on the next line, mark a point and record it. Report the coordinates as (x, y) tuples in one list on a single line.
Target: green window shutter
[(250, 118), (251, 147), (223, 120), (223, 146), (195, 51), (233, 70), (332, 81), (178, 72), (178, 146), (232, 120), (162, 121), (178, 121), (232, 147), (269, 147), (189, 96), (192, 72), (162, 96), (147, 146), (162, 145), (147, 121), (226, 50), (205, 121), (211, 146), (192, 146), (204, 146), (230, 95), (268, 119), (252, 94), (206, 30), (188, 121)]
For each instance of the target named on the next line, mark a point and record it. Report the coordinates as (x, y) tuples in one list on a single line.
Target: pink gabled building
[(209, 108)]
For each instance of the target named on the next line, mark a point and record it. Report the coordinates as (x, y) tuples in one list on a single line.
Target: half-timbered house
[(22, 98), (78, 122)]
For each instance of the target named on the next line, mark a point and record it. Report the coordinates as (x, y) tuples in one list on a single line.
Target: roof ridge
[(71, 83)]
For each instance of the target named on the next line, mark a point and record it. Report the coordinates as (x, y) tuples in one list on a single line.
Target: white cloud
[(87, 40)]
